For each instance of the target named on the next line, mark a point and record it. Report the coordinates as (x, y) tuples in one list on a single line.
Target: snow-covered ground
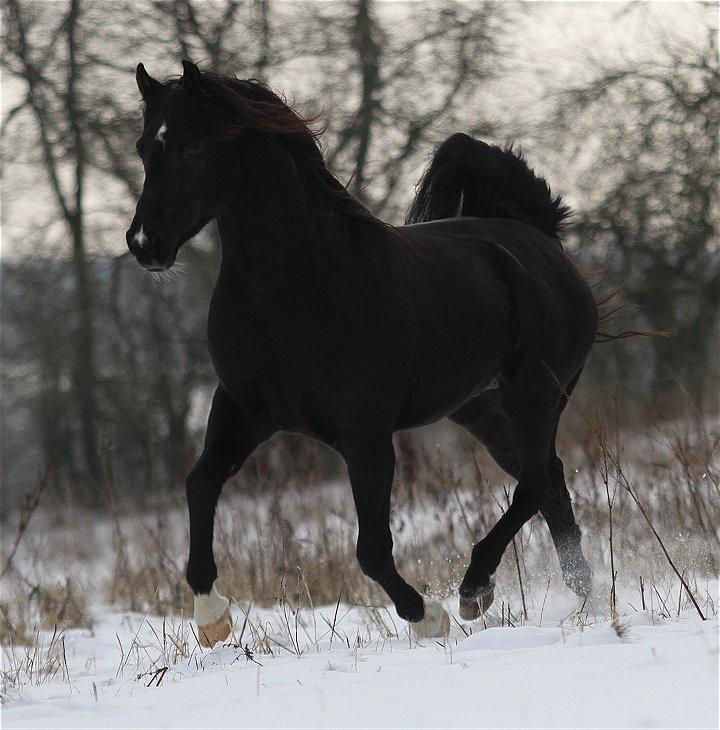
[(136, 671), (540, 659)]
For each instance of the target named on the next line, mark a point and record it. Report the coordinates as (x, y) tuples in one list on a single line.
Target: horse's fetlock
[(409, 604), (200, 578)]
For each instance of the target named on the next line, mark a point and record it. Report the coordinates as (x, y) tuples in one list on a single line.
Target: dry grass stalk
[(31, 504), (628, 487), (293, 546)]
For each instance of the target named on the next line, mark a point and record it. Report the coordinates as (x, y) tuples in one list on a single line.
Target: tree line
[(105, 369)]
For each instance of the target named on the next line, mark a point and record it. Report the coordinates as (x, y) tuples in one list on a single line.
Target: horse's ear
[(148, 86), (192, 79)]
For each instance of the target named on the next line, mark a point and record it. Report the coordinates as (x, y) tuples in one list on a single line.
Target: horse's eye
[(192, 149)]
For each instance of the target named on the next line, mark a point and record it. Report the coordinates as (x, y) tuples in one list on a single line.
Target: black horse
[(328, 322)]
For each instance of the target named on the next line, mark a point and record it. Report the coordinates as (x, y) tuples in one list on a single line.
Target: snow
[(641, 671), (564, 665)]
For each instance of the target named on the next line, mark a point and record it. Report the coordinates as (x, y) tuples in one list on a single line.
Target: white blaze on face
[(160, 134), (140, 237)]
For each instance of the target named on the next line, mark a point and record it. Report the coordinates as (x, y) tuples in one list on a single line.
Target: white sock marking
[(210, 608)]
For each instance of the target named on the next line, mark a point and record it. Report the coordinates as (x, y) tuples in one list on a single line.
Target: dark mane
[(232, 106)]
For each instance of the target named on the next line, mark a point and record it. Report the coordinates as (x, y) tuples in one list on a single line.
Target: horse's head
[(187, 166)]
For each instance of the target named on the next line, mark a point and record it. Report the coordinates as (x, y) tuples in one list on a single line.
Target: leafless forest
[(105, 373)]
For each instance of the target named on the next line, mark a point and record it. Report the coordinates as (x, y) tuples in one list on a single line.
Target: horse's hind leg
[(558, 513), (232, 435), (485, 418), (532, 417), (371, 465)]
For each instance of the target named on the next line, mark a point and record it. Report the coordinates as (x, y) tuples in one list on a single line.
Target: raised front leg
[(371, 466), (233, 433)]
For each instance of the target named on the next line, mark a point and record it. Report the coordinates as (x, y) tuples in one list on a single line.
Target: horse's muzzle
[(143, 243)]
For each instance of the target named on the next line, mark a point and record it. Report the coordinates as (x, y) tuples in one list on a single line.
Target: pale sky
[(552, 42)]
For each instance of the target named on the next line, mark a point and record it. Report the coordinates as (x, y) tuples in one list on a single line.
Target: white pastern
[(140, 237), (160, 134), (210, 608)]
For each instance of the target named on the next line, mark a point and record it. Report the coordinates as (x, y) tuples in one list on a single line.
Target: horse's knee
[(201, 489), (194, 484), (374, 567)]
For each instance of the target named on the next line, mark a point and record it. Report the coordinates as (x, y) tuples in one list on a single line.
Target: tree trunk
[(263, 62), (84, 376), (367, 47)]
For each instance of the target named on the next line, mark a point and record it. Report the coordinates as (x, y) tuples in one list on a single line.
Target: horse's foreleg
[(371, 465), (231, 437)]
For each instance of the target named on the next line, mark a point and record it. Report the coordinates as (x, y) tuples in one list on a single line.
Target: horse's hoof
[(434, 624), (212, 616), (217, 631), (473, 608)]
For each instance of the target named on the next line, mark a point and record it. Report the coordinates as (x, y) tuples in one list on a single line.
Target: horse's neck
[(267, 230)]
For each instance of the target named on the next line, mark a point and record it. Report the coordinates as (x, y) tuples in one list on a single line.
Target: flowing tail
[(467, 177)]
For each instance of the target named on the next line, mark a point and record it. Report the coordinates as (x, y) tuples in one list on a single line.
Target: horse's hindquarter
[(492, 294), (463, 315), (556, 312)]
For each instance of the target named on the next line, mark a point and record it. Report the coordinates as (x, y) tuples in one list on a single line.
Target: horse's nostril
[(130, 238), (140, 238)]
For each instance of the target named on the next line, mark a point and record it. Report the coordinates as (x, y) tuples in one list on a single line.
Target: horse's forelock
[(231, 106)]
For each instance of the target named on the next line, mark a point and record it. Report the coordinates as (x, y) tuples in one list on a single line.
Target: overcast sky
[(551, 44)]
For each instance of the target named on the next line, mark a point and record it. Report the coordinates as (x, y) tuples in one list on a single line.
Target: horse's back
[(536, 273)]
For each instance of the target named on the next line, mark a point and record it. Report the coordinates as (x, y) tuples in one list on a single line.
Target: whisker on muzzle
[(171, 275), (163, 277), (180, 268)]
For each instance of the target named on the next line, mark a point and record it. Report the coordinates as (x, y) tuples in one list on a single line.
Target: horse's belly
[(430, 402)]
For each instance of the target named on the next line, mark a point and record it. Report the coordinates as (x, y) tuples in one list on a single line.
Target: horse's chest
[(291, 381), (233, 353)]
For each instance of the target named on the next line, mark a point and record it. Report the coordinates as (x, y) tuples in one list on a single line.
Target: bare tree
[(51, 73), (407, 76), (84, 116), (652, 216), (136, 354)]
